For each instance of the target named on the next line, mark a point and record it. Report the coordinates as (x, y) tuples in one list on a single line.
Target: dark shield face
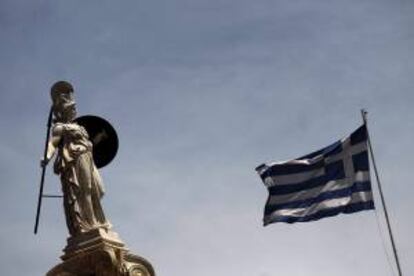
[(103, 137)]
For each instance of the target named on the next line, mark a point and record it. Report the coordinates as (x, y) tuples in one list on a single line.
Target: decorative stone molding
[(100, 253)]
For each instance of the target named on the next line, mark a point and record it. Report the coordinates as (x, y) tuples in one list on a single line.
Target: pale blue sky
[(201, 92)]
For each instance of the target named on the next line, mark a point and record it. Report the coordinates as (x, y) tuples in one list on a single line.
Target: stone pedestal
[(100, 253)]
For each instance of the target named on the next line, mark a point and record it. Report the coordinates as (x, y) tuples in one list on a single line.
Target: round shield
[(103, 137)]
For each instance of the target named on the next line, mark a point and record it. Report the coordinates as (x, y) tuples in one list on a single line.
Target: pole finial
[(364, 114)]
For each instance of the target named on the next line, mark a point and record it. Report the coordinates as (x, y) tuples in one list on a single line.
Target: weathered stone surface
[(100, 253)]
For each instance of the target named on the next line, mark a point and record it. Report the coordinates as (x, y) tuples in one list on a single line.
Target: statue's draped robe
[(81, 183)]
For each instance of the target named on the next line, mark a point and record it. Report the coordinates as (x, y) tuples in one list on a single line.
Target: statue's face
[(67, 106), (70, 111), (67, 98)]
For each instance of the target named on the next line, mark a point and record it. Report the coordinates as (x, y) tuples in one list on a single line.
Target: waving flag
[(324, 183)]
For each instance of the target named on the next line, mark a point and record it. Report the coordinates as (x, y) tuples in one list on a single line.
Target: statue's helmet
[(62, 97), (59, 90)]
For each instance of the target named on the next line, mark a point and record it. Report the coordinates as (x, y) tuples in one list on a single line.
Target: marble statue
[(81, 183), (93, 248)]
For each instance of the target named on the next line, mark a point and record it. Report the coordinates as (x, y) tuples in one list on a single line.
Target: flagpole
[(394, 248)]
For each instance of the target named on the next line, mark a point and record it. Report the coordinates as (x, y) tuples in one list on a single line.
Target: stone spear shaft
[(42, 179)]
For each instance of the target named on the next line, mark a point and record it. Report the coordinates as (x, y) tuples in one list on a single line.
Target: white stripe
[(329, 186), (357, 197), (308, 161), (347, 158), (347, 150), (293, 178)]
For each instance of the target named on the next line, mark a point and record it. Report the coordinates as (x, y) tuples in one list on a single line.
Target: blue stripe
[(348, 209), (359, 135), (333, 149), (356, 187), (327, 151), (283, 169), (360, 161), (333, 171)]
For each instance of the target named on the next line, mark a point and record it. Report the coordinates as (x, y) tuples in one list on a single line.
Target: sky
[(200, 93)]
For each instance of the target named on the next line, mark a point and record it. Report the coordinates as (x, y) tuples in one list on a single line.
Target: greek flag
[(324, 183)]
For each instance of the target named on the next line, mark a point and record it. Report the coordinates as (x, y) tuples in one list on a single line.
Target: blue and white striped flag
[(324, 183)]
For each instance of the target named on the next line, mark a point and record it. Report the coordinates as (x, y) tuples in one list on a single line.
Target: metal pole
[(394, 248), (42, 179)]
